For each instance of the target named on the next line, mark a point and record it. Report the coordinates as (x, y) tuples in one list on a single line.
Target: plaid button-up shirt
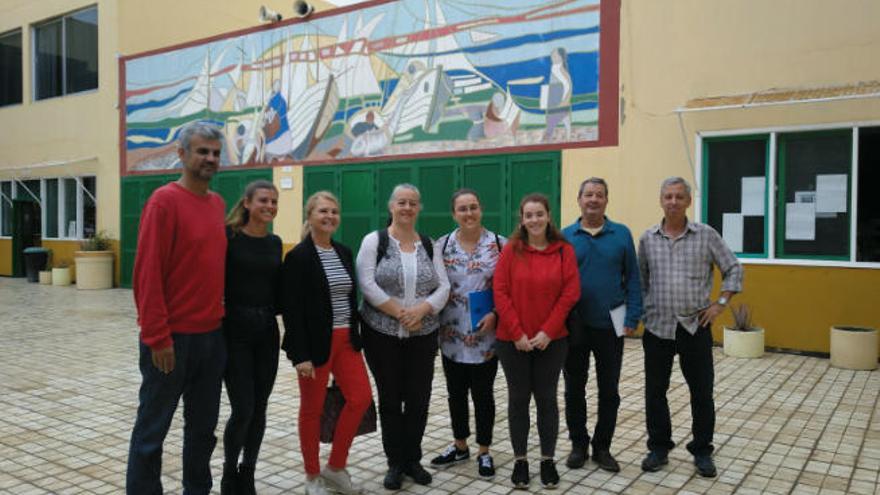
[(677, 276)]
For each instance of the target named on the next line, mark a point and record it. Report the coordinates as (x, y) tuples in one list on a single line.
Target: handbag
[(333, 404)]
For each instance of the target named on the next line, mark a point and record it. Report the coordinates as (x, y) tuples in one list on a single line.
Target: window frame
[(12, 193), (33, 55), (62, 207), (704, 206), (20, 33), (771, 197)]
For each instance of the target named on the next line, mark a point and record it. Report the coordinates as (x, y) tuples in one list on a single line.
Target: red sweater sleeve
[(554, 326), (153, 250), (509, 327)]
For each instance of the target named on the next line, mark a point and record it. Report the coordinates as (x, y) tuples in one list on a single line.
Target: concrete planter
[(61, 276), (854, 348), (46, 277), (94, 269), (744, 343)]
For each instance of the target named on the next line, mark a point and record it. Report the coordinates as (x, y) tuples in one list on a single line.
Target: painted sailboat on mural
[(398, 78)]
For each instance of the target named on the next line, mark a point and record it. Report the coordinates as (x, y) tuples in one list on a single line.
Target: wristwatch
[(722, 301)]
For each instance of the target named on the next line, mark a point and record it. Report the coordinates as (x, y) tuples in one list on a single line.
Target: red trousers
[(350, 374)]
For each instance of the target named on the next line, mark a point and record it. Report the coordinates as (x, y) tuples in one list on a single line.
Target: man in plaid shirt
[(676, 259)]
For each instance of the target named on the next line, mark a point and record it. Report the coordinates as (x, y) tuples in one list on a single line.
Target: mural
[(398, 78)]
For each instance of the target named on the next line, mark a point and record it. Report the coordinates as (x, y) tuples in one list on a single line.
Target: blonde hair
[(239, 216), (311, 203)]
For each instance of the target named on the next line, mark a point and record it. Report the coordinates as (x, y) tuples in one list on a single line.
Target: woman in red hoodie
[(536, 284)]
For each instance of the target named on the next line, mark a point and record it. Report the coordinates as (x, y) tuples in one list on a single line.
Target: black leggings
[(403, 369), (528, 374), (252, 347), (479, 379)]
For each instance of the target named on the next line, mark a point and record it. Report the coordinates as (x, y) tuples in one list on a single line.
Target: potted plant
[(853, 347), (94, 263), (744, 339), (61, 274)]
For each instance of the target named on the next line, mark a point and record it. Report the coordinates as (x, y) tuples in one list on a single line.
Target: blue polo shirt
[(609, 273)]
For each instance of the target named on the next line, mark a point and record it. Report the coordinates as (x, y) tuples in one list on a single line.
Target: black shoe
[(485, 465), (452, 455), (654, 461), (705, 466), (520, 477), (549, 476), (415, 471), (606, 461), (578, 457), (229, 482), (393, 478)]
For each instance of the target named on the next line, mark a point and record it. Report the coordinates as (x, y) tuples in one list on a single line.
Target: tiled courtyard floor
[(68, 390)]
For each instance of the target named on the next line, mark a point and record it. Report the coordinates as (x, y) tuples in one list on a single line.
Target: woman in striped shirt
[(322, 336)]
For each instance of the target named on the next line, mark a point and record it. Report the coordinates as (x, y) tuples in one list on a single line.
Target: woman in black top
[(322, 337), (253, 260)]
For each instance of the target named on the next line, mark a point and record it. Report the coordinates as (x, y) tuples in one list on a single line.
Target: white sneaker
[(315, 487), (340, 481)]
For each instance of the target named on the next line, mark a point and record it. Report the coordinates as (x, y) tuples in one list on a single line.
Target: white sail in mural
[(195, 101), (454, 59), (310, 106), (353, 71)]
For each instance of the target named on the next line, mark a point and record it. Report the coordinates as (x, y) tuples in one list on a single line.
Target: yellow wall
[(797, 306), (81, 130), (78, 129), (6, 257), (160, 23), (672, 52), (288, 222)]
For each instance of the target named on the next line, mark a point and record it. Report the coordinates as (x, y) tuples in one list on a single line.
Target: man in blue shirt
[(609, 274)]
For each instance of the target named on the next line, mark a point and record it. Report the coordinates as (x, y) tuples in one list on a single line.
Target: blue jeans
[(199, 362)]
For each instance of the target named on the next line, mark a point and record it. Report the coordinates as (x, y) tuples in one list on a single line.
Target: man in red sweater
[(178, 290)]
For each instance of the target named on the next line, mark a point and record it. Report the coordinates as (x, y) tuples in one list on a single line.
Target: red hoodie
[(534, 290), (180, 264)]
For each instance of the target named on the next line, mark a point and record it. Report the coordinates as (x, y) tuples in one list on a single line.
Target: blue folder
[(481, 303)]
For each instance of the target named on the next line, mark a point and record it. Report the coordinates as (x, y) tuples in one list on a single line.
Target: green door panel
[(321, 180), (500, 180), (486, 175), (530, 174), (441, 179)]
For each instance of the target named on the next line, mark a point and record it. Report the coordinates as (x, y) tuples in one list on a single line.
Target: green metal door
[(501, 181), (137, 189)]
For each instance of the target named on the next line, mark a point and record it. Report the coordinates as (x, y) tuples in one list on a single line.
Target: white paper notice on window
[(831, 193), (800, 221), (732, 231), (753, 196)]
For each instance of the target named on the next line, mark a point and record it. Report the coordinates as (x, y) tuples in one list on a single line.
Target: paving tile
[(785, 423)]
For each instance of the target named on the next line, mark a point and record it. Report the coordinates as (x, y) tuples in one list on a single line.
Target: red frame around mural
[(609, 74)]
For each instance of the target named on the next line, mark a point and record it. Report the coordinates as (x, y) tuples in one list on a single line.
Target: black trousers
[(252, 364), (403, 370), (528, 374), (695, 358), (607, 349), (479, 380)]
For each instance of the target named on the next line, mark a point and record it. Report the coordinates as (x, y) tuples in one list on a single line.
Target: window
[(6, 208), (67, 205), (66, 54), (50, 198), (10, 68), (795, 195), (735, 177)]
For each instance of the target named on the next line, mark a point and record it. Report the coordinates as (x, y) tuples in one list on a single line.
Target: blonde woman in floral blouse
[(469, 363)]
